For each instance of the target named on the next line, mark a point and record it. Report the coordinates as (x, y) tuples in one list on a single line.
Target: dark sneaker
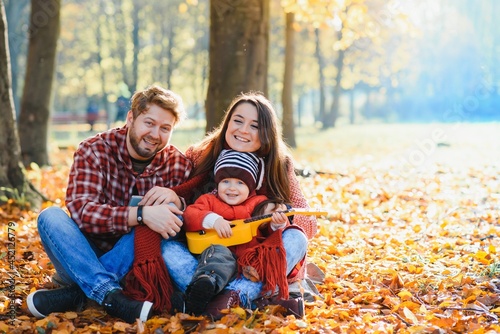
[(199, 293), (118, 305), (223, 301), (43, 302), (293, 306), (178, 302)]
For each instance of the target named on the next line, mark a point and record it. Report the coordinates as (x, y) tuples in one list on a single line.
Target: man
[(91, 250)]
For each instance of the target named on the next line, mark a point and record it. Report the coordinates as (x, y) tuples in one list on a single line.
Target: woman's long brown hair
[(273, 149)]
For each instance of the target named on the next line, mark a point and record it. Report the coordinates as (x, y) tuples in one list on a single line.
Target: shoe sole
[(302, 310), (31, 305), (146, 311), (199, 295)]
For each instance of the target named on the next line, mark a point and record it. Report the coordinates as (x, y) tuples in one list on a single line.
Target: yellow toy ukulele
[(243, 231)]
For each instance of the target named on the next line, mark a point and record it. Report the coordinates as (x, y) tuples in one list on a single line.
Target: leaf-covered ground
[(410, 245)]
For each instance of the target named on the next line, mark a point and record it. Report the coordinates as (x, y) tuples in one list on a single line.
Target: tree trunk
[(239, 38), (287, 98), (352, 110), (13, 181), (321, 72), (333, 114), (367, 107), (35, 105)]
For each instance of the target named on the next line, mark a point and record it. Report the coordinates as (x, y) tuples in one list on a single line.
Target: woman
[(250, 125)]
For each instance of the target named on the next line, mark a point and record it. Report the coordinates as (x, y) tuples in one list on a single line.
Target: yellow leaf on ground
[(71, 315), (120, 326), (405, 294), (4, 327), (239, 311), (410, 316)]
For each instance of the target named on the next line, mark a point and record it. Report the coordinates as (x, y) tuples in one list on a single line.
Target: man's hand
[(162, 219), (223, 228), (160, 195)]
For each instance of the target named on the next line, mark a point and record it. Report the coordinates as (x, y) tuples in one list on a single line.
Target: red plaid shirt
[(102, 180)]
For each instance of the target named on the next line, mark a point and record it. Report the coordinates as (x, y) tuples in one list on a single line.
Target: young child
[(238, 175)]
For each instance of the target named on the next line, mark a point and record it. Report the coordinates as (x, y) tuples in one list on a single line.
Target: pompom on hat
[(240, 165)]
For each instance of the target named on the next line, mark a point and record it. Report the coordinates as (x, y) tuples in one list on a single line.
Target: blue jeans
[(77, 260), (182, 265)]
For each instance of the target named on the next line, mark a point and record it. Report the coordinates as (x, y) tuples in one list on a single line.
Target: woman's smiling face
[(242, 133)]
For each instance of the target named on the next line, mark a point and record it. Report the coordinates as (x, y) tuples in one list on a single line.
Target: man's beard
[(144, 153)]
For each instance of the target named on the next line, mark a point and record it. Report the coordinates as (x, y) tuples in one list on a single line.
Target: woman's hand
[(160, 195), (223, 228)]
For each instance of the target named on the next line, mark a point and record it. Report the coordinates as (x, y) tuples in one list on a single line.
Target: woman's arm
[(308, 223)]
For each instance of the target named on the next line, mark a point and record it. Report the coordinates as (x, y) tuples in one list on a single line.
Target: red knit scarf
[(149, 279), (269, 260)]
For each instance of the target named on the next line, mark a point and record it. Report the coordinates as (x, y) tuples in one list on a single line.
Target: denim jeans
[(182, 264), (77, 260)]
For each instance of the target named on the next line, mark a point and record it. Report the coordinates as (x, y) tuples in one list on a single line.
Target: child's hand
[(223, 228), (278, 220)]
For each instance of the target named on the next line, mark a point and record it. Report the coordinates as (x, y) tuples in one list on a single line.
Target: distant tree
[(138, 4), (333, 114), (36, 100), (321, 73), (165, 38), (287, 95), (238, 53), (310, 12), (13, 181), (16, 19), (113, 47), (122, 38), (101, 21)]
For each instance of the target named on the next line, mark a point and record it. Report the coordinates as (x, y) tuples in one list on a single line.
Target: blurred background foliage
[(386, 61)]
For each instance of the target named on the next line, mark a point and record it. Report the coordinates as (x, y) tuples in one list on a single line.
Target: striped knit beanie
[(240, 165)]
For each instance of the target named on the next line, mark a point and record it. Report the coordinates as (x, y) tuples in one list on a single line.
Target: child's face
[(233, 191)]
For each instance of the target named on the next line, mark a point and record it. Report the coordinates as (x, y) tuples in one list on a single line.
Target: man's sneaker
[(199, 293), (293, 306), (223, 301), (43, 302), (118, 305)]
